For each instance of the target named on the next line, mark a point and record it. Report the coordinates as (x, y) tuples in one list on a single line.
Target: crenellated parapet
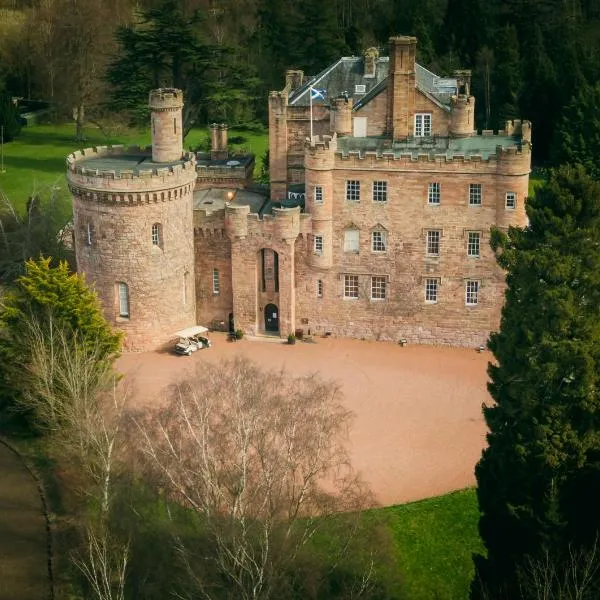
[(166, 99), (236, 221), (319, 153), (131, 182), (518, 127)]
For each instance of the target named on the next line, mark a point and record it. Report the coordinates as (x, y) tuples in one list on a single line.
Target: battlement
[(124, 162), (166, 99), (321, 143)]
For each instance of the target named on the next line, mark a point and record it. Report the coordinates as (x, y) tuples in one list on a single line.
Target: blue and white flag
[(316, 94)]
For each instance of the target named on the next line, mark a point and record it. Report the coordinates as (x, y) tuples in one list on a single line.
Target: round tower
[(341, 116), (166, 106), (319, 160), (462, 113), (133, 228)]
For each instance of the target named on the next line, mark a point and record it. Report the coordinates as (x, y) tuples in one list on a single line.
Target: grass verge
[(435, 540), (35, 161)]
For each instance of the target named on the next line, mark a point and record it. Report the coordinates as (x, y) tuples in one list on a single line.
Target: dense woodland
[(530, 58)]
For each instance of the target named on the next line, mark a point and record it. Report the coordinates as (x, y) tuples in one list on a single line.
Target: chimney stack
[(401, 86), (371, 56)]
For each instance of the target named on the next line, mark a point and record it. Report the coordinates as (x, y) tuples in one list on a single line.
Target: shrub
[(239, 334), (291, 338)]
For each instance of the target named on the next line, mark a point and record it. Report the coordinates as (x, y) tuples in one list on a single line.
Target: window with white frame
[(422, 124), (431, 290), (351, 240), (433, 242), (380, 191), (216, 283), (472, 293), (475, 194), (473, 243), (360, 88), (353, 190), (434, 193), (318, 244), (319, 288), (123, 298), (378, 287), (510, 200), (350, 286), (379, 241), (318, 194), (156, 241), (89, 234)]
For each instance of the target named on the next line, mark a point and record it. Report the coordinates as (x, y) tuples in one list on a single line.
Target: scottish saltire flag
[(316, 94)]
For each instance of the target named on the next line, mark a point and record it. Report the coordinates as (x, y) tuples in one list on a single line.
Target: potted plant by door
[(291, 338)]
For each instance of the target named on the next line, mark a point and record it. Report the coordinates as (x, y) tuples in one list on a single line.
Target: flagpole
[(310, 93)]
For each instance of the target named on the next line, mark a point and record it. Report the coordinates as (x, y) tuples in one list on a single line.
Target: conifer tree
[(577, 136), (539, 479), (54, 294), (9, 118)]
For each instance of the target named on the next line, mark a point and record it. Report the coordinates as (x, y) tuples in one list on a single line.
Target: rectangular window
[(431, 290), (360, 88), (89, 234), (350, 286), (319, 288), (422, 125), (472, 293), (433, 242), (263, 272), (475, 194), (123, 300), (156, 234), (473, 243), (318, 244), (380, 191), (318, 194), (511, 200), (351, 240), (434, 193), (378, 287), (353, 191), (216, 283), (379, 241)]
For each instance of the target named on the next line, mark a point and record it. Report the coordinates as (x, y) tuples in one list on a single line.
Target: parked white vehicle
[(191, 339)]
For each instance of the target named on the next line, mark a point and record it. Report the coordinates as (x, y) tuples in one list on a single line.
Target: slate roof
[(348, 72)]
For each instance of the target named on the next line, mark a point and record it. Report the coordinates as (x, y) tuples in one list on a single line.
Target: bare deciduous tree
[(261, 458)]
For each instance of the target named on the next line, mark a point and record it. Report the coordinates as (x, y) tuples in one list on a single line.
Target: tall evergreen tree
[(539, 479), (577, 136), (9, 118)]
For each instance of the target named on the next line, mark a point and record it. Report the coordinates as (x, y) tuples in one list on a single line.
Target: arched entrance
[(271, 318)]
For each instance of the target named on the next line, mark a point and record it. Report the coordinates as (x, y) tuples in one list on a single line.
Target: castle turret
[(462, 116), (133, 228), (166, 105), (319, 159), (278, 145), (341, 116)]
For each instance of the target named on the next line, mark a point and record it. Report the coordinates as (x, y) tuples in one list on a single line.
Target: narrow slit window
[(216, 283), (123, 292)]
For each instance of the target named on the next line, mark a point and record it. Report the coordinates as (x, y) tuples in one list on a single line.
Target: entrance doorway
[(271, 318)]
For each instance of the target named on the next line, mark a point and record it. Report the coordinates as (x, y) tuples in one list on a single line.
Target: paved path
[(23, 537)]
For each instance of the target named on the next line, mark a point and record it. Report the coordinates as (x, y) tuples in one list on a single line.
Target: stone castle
[(376, 224)]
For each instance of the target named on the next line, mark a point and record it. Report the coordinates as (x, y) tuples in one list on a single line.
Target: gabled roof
[(344, 75)]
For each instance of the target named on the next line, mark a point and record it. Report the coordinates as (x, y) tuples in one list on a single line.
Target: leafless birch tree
[(261, 458)]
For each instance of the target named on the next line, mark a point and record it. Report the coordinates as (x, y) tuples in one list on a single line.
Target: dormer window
[(360, 88)]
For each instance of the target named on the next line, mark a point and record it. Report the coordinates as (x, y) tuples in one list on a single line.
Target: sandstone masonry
[(376, 227)]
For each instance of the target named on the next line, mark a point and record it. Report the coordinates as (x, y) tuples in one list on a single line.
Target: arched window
[(123, 297), (156, 235)]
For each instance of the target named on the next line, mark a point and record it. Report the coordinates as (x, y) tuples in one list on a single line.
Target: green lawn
[(35, 161), (435, 540)]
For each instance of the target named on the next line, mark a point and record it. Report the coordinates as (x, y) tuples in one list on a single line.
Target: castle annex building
[(376, 223)]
